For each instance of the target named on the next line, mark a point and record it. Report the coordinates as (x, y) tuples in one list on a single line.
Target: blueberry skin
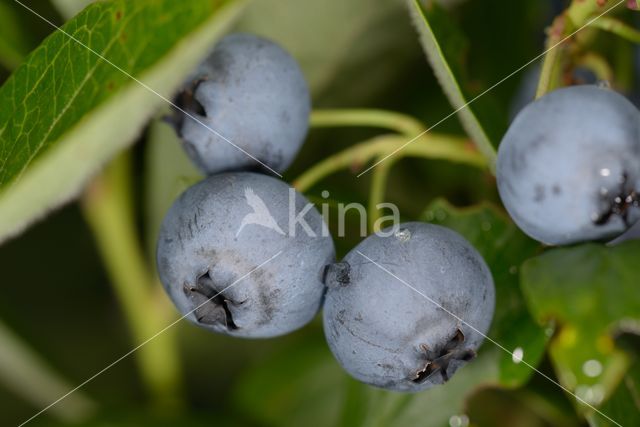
[(253, 93), (569, 166), (203, 249), (388, 335)]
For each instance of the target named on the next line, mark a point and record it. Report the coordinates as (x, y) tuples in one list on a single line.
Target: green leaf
[(438, 406), (624, 404), (590, 292), (66, 111), (13, 48), (504, 248), (443, 47)]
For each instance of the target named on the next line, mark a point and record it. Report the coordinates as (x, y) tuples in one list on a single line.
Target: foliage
[(565, 334), (108, 68)]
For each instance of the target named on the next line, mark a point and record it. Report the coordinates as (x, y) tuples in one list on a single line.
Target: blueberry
[(569, 166), (412, 331), (217, 233), (253, 94)]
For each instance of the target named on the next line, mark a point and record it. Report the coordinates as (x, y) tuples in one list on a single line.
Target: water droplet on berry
[(403, 235)]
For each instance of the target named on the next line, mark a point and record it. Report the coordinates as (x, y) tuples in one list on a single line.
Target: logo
[(260, 215)]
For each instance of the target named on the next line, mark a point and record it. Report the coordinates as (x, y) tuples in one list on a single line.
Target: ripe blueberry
[(569, 166), (414, 330), (253, 94), (217, 233)]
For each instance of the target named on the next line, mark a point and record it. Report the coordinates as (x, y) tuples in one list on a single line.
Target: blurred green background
[(56, 294)]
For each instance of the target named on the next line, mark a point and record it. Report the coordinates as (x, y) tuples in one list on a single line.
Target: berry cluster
[(247, 105), (404, 309)]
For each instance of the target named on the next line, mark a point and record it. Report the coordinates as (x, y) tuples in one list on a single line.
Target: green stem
[(598, 64), (27, 375), (390, 120), (619, 28), (378, 191), (429, 146), (552, 64), (107, 208), (579, 14)]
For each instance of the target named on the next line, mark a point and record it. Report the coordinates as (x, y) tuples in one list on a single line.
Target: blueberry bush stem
[(377, 192), (108, 211), (619, 28), (400, 123), (578, 14), (429, 146), (598, 65), (552, 63)]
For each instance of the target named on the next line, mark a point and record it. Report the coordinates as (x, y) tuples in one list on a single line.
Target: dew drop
[(403, 235), (459, 421), (592, 395), (517, 355), (598, 394), (513, 269), (324, 194), (605, 172), (486, 226), (592, 368)]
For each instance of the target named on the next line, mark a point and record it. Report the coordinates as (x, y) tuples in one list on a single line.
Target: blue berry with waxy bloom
[(252, 106), (234, 262), (405, 311), (569, 166)]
